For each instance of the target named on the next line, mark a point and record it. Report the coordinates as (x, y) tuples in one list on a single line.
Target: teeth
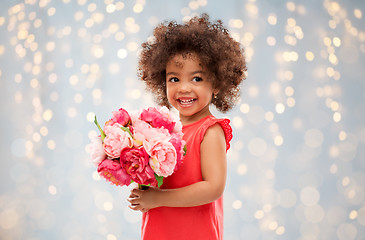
[(186, 101)]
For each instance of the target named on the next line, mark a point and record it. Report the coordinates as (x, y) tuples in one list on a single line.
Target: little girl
[(190, 66)]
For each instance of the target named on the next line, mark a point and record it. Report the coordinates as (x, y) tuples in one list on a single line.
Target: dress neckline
[(196, 122)]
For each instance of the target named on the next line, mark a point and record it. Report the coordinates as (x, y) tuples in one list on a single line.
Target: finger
[(132, 195), (133, 201), (136, 191), (135, 207)]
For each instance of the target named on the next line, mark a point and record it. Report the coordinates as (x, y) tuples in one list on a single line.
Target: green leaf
[(185, 149), (159, 180), (126, 129), (101, 130)]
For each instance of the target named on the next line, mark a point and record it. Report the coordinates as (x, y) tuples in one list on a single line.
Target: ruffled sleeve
[(227, 131), (224, 122)]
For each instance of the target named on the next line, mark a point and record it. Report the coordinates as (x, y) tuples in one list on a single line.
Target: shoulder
[(214, 134), (215, 130), (218, 127)]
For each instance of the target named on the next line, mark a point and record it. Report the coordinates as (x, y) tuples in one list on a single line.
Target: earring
[(215, 96)]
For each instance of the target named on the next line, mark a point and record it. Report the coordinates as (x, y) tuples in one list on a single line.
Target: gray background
[(296, 169)]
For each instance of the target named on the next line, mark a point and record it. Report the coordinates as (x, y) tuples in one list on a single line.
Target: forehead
[(179, 60)]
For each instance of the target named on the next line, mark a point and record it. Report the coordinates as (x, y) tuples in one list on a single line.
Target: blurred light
[(132, 46), (111, 237), (110, 8), (309, 56), (279, 108), (122, 53), (97, 93), (71, 112), (252, 8), (51, 144), (18, 97), (242, 169), (271, 41), (90, 116), (358, 13), (361, 216), (97, 51), (237, 122), (108, 206), (47, 115), (51, 11), (337, 117), (337, 41), (138, 8), (290, 6), (290, 102), (119, 5), (289, 91), (245, 108), (8, 219), (52, 190), (237, 204), (253, 91), (119, 36), (134, 94), (54, 96), (280, 230), (259, 214), (74, 80), (194, 5), (272, 19), (235, 23), (269, 116), (278, 140), (2, 49)]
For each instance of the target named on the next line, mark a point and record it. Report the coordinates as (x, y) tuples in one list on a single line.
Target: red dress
[(201, 222)]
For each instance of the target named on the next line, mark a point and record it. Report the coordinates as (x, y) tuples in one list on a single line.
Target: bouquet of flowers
[(142, 147)]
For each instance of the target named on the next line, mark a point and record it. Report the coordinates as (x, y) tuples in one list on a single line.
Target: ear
[(215, 92)]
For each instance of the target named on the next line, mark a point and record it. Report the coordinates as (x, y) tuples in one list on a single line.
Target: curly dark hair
[(217, 51)]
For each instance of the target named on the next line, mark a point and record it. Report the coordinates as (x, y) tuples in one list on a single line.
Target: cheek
[(169, 93)]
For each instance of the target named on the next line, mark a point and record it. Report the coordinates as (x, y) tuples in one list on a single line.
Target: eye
[(197, 79), (173, 79)]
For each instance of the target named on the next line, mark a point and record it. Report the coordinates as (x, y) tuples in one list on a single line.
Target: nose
[(184, 86)]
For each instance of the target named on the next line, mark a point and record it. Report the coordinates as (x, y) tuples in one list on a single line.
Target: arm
[(213, 167)]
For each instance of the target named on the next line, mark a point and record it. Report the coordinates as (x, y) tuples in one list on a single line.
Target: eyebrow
[(192, 73)]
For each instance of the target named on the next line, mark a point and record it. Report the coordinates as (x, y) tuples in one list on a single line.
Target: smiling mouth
[(186, 101)]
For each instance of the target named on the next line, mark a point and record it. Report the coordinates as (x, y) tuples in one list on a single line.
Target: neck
[(185, 120)]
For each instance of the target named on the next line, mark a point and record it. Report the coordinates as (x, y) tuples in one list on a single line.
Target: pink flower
[(143, 131), (121, 116), (97, 153), (163, 158), (114, 173), (178, 143), (116, 140), (158, 117), (135, 163)]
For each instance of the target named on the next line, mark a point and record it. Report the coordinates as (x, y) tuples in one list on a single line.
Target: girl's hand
[(143, 200)]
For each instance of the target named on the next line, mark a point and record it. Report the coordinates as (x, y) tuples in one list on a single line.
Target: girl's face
[(188, 88)]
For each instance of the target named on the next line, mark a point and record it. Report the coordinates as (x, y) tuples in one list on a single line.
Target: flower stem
[(101, 130), (142, 187)]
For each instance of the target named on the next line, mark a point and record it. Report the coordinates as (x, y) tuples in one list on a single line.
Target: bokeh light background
[(296, 166)]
